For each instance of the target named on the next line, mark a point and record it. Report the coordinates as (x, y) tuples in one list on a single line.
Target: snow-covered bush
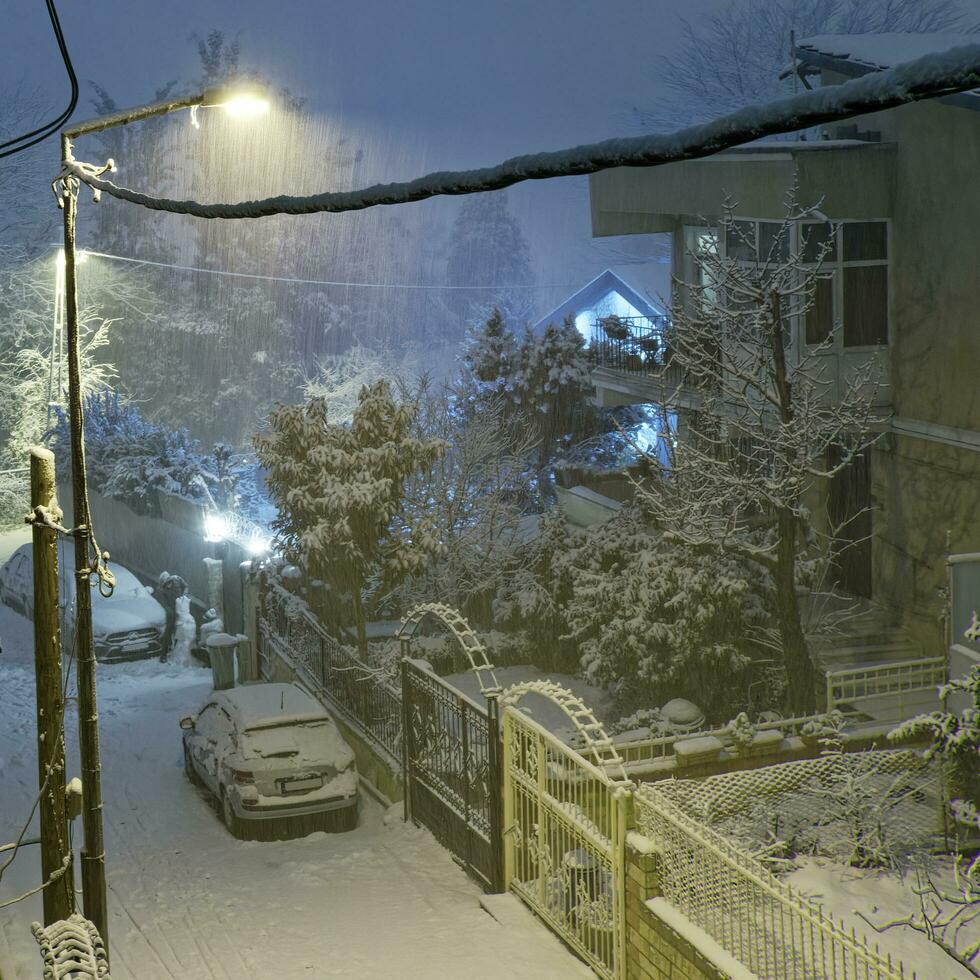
[(130, 458), (654, 619), (955, 739), (741, 731)]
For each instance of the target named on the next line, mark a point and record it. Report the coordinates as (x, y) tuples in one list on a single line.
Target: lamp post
[(88, 561)]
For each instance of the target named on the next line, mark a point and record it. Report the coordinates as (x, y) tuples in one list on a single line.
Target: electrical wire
[(43, 132), (310, 282)]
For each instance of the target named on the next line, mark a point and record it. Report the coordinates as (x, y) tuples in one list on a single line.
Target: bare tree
[(733, 57), (765, 429)]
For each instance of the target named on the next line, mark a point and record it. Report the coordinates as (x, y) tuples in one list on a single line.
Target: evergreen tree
[(340, 492), (490, 349)]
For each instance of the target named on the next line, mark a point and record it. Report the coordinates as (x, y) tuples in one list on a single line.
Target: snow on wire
[(932, 76)]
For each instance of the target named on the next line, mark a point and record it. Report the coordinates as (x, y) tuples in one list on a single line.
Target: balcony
[(631, 359)]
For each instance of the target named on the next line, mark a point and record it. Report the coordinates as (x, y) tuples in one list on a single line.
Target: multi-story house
[(902, 188)]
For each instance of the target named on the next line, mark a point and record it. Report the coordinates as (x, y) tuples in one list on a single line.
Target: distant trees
[(487, 247), (733, 57), (545, 378), (341, 493)]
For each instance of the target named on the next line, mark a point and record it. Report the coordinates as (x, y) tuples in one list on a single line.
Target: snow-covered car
[(274, 760), (128, 625)]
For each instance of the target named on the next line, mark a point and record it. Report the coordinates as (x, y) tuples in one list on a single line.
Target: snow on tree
[(766, 433), (489, 350), (340, 492), (476, 496), (733, 57), (654, 619)]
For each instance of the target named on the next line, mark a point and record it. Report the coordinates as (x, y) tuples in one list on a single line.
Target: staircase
[(875, 671)]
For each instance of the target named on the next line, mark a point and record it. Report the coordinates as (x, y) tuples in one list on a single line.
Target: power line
[(308, 282), (43, 132)]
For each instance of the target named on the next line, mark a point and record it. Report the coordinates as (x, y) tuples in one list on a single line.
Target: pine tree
[(490, 349)]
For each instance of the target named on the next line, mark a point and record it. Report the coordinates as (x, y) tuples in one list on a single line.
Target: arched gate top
[(461, 631), (596, 743)]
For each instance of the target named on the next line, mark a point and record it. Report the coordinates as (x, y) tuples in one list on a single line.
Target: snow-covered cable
[(934, 75)]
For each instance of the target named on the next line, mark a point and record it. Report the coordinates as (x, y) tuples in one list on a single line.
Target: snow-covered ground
[(881, 897), (187, 900)]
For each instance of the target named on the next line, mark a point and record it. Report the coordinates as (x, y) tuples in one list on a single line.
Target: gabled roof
[(859, 54), (638, 284)]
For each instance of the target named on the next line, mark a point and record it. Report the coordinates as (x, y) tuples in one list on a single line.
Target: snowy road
[(187, 900)]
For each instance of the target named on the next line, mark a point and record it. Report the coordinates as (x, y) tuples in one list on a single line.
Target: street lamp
[(241, 102)]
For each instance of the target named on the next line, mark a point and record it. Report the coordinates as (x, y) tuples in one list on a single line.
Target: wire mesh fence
[(766, 924)]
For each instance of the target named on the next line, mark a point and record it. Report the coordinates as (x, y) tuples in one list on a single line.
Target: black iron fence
[(355, 689), (638, 345), (452, 771)]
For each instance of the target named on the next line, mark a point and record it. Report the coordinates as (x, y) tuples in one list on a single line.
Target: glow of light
[(245, 106), (258, 545), (80, 257), (215, 527)]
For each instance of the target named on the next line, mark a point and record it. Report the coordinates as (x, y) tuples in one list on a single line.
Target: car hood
[(116, 615)]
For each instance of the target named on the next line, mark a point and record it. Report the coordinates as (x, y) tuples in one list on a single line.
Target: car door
[(204, 745)]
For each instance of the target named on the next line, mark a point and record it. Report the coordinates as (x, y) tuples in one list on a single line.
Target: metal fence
[(564, 830), (640, 753), (365, 699), (452, 771), (764, 923), (897, 681)]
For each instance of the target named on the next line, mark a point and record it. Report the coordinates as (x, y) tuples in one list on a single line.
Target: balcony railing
[(635, 344)]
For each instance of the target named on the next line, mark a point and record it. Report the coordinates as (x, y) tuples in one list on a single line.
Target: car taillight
[(243, 778)]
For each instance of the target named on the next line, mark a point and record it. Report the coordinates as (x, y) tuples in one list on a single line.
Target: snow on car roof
[(261, 705)]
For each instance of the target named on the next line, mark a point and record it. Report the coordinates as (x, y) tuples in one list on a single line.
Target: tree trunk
[(800, 675)]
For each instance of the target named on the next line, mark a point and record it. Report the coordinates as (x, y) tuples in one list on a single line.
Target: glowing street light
[(241, 102)]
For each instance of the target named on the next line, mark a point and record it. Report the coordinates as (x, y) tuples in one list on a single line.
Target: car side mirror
[(187, 723)]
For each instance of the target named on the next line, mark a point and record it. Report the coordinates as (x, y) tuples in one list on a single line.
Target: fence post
[(407, 741), (465, 767), (542, 759), (506, 837), (623, 816), (496, 782)]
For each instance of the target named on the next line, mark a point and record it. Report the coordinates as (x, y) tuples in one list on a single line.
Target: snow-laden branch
[(935, 75)]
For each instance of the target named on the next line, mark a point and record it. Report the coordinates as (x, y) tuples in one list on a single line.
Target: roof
[(638, 284), (860, 54), (257, 705)]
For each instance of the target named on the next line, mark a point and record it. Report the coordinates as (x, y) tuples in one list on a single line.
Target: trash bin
[(221, 648)]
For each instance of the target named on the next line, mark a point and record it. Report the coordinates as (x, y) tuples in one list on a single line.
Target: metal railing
[(637, 753), (365, 699), (564, 831), (637, 345), (898, 679), (767, 925)]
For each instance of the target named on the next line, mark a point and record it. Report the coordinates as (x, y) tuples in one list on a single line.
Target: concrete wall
[(172, 543)]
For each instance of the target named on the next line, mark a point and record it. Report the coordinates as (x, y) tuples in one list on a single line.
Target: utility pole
[(56, 858), (93, 851)]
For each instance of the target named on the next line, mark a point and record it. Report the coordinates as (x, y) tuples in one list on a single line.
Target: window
[(852, 289)]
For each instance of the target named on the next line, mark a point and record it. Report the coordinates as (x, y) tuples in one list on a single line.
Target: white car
[(274, 760), (128, 625)]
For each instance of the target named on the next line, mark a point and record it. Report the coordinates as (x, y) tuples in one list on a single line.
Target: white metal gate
[(564, 841)]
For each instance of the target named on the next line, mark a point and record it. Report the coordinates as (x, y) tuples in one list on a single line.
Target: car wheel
[(189, 769), (231, 821)]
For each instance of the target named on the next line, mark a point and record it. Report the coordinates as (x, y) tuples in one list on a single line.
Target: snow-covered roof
[(859, 54), (638, 283), (258, 705)]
